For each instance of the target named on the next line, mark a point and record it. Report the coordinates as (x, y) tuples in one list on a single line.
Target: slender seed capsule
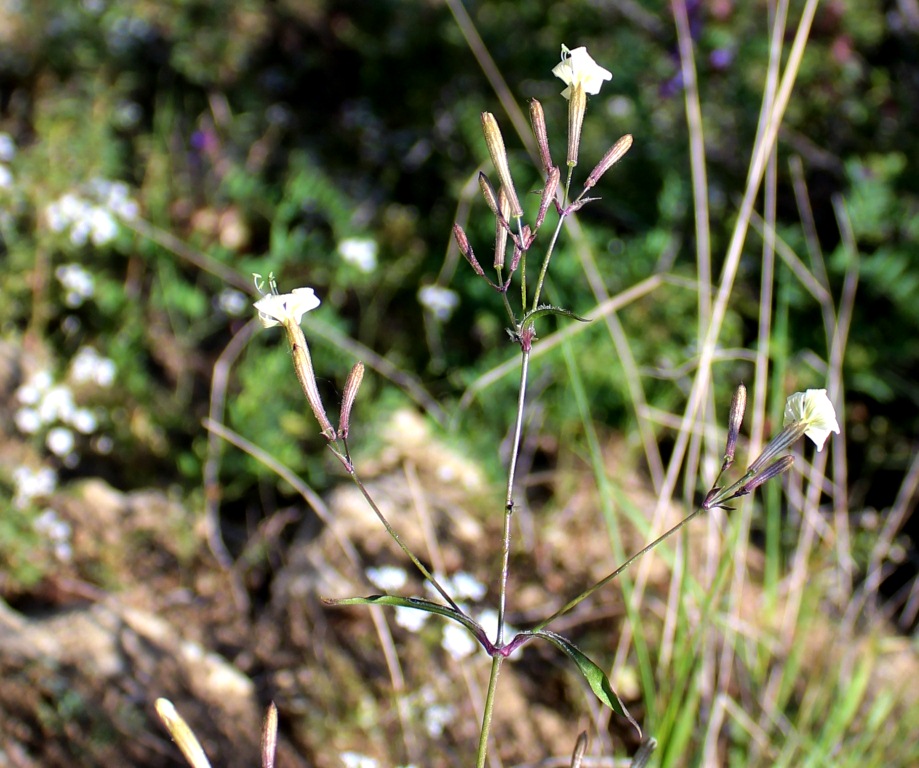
[(466, 249), (538, 121), (501, 228), (495, 143), (738, 405), (613, 155), (773, 470), (548, 194), (352, 385), (488, 192)]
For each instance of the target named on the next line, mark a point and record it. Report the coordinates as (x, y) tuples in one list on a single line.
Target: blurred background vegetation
[(155, 154), (274, 136)]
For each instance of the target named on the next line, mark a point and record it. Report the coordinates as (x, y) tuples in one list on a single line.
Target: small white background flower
[(361, 252), (440, 301), (578, 68)]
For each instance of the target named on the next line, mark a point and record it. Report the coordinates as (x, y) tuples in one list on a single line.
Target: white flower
[(89, 367), (410, 618), (357, 760), (7, 148), (60, 441), (814, 408), (232, 302), (359, 251), (578, 68), (278, 309), (84, 421), (389, 578), (461, 585), (102, 225), (27, 421), (457, 641), (78, 282), (441, 301), (29, 484), (57, 404)]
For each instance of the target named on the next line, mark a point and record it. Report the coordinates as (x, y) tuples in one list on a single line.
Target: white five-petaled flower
[(279, 309), (578, 68), (813, 408)]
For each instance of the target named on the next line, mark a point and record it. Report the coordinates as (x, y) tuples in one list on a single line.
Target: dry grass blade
[(270, 736)]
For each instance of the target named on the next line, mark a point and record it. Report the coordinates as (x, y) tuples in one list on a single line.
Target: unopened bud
[(578, 204), (613, 155), (773, 470), (488, 192), (504, 208), (538, 121), (495, 143), (352, 385), (577, 105), (466, 249), (518, 254), (548, 194), (738, 405)]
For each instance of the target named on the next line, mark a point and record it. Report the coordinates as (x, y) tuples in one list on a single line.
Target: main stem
[(489, 710), (509, 499)]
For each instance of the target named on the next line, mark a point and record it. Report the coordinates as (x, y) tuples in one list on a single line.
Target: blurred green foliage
[(263, 134)]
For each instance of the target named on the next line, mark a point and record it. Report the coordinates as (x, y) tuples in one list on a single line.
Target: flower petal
[(813, 408), (578, 68), (278, 309)]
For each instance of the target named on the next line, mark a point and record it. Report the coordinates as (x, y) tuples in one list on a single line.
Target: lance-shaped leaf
[(547, 309), (418, 604), (594, 676)]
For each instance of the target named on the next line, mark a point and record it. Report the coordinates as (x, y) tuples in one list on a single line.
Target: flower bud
[(773, 470), (466, 249), (538, 121), (488, 192), (613, 155), (738, 405), (495, 143), (352, 385)]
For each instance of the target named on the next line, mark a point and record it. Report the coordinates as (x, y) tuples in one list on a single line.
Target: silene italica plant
[(808, 414)]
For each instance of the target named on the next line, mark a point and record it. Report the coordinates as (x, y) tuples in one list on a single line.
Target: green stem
[(523, 268), (607, 579), (551, 249), (545, 262), (349, 467), (509, 499), (489, 710), (507, 303)]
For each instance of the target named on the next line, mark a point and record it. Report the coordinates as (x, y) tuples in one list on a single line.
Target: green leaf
[(418, 604), (548, 309), (594, 676)]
